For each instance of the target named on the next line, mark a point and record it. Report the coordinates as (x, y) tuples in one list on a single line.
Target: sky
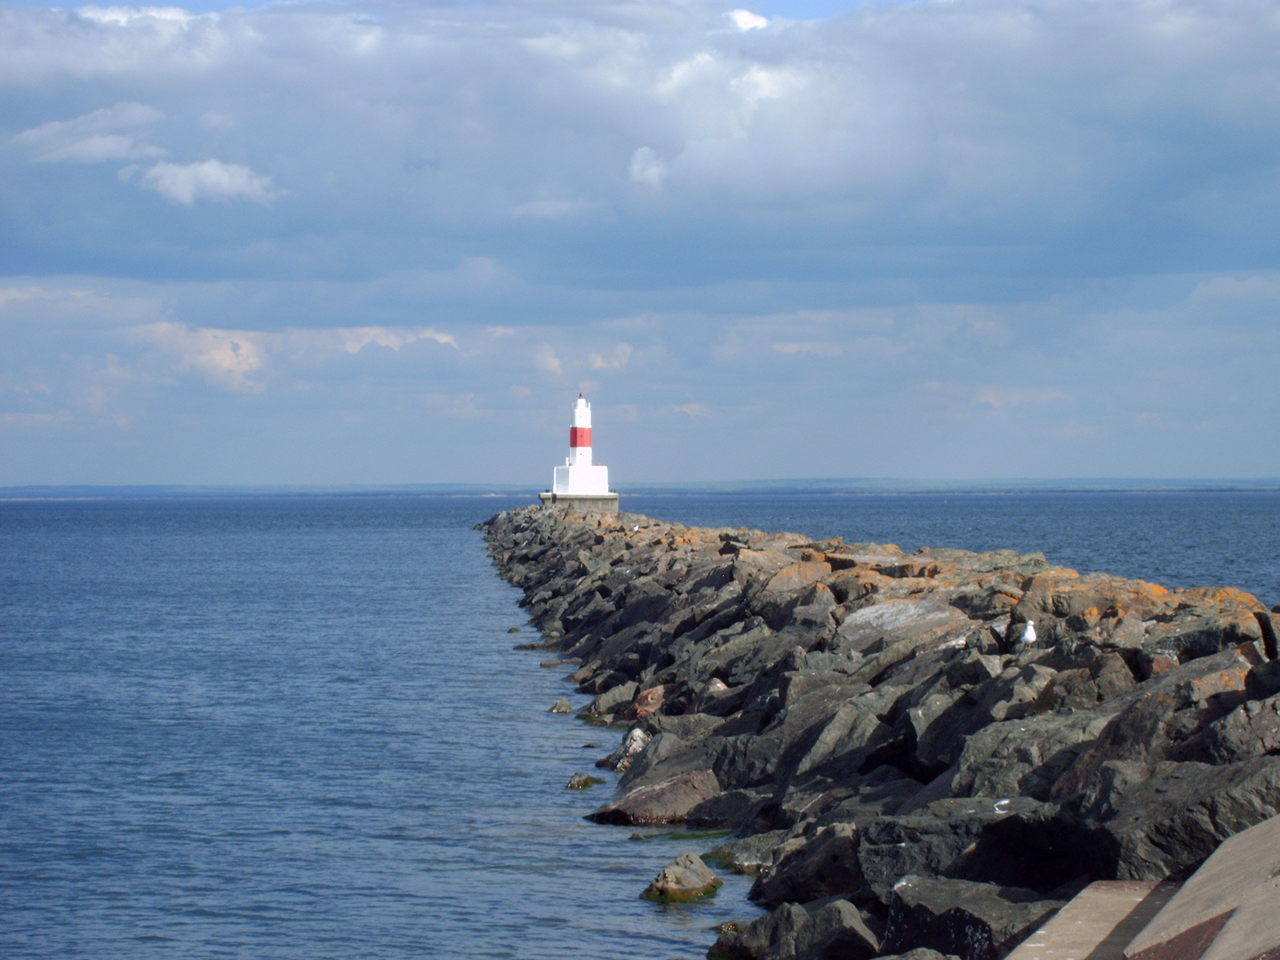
[(389, 242)]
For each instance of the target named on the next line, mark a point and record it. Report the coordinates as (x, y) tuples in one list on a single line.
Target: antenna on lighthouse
[(580, 483)]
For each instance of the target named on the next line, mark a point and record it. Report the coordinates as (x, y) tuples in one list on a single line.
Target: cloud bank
[(1005, 226)]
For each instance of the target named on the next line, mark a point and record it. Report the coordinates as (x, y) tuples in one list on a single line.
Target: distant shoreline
[(833, 487)]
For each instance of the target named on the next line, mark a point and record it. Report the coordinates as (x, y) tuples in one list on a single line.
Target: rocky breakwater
[(905, 773)]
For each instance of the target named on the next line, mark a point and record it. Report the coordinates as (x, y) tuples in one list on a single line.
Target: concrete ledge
[(1227, 910), (581, 502), (1098, 923)]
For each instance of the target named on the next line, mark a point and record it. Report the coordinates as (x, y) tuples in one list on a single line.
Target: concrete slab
[(1098, 923), (1229, 909), (1253, 930)]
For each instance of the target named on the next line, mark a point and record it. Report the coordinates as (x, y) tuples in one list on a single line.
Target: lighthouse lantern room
[(581, 483)]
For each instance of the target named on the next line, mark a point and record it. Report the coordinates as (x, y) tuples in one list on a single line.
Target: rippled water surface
[(294, 727)]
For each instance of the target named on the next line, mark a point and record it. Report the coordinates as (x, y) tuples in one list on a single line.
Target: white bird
[(1029, 632)]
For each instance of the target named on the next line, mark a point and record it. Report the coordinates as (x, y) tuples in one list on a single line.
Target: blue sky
[(389, 242)]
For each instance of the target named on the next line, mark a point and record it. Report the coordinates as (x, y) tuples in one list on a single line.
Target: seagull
[(1029, 632)]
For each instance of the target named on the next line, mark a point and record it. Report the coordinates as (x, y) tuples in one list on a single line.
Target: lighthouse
[(580, 483)]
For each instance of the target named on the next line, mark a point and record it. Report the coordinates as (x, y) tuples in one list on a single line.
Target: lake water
[(294, 726)]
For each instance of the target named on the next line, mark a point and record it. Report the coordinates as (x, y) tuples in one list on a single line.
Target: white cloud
[(693, 410), (646, 168), (746, 20), (616, 360), (546, 360), (92, 138), (355, 339), (228, 358), (10, 295), (122, 16), (185, 183), (1000, 196)]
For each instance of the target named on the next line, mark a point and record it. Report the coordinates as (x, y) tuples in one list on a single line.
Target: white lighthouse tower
[(581, 483)]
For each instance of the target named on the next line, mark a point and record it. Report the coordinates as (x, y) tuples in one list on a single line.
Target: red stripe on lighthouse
[(579, 436)]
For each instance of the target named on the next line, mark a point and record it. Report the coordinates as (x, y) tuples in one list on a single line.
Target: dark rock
[(974, 921), (1169, 821), (1023, 757), (950, 837), (684, 879), (747, 810), (1250, 730), (1156, 717), (612, 699), (748, 855), (871, 714), (834, 930), (824, 866)]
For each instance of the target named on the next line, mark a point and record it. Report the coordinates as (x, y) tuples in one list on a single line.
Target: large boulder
[(833, 930), (684, 879), (824, 866), (1171, 819), (979, 839), (666, 802)]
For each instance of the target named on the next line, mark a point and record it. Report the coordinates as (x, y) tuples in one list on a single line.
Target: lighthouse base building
[(580, 484)]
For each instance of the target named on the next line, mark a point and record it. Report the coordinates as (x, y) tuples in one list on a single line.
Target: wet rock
[(582, 781), (684, 879), (749, 855), (666, 802), (561, 706)]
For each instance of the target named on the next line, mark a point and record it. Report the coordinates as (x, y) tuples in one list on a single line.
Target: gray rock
[(614, 699), (1167, 823), (1250, 730), (561, 706), (1154, 720)]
